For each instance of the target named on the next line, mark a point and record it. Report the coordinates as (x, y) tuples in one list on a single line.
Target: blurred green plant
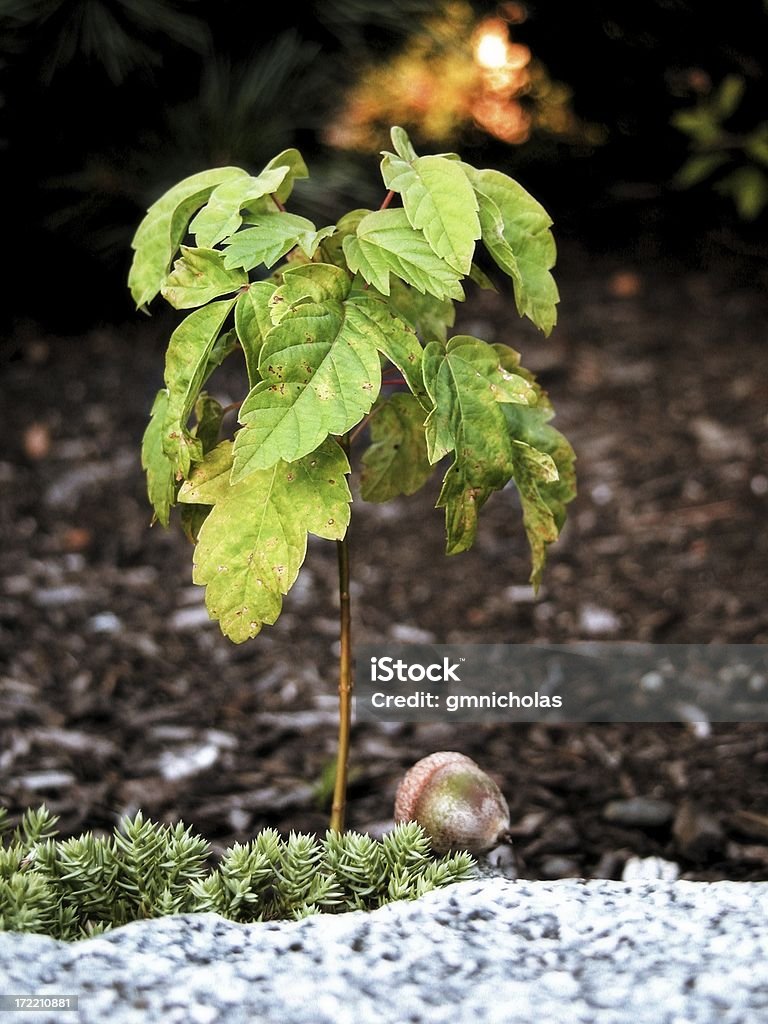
[(83, 886), (734, 162), (120, 36)]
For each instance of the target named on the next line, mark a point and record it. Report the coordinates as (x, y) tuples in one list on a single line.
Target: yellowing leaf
[(271, 237), (221, 215), (468, 388), (251, 546), (396, 461), (294, 162), (516, 232), (386, 242), (159, 467), (198, 277), (439, 200), (186, 364), (209, 480), (430, 317), (543, 470), (321, 374), (252, 322), (163, 228)]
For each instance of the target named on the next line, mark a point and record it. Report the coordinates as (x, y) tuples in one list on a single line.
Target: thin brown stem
[(387, 200), (338, 807)]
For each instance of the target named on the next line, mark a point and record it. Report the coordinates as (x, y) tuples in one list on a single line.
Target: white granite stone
[(491, 950)]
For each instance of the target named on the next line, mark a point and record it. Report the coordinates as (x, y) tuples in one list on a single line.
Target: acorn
[(455, 802)]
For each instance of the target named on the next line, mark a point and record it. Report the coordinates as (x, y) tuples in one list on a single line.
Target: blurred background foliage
[(623, 118)]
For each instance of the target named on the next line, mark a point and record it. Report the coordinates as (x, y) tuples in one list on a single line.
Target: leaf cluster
[(737, 162), (326, 319), (75, 888)]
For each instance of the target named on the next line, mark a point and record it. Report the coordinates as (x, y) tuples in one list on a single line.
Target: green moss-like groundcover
[(74, 888)]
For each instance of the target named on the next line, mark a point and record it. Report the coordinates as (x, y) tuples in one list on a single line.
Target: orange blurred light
[(518, 56), (491, 51), (514, 13), (491, 44), (503, 118)]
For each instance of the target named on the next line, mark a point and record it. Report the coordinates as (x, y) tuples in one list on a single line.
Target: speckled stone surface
[(492, 950)]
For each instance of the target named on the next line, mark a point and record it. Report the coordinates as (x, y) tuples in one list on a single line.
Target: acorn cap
[(456, 803)]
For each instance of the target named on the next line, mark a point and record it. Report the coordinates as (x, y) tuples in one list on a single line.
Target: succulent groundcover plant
[(74, 888), (341, 328)]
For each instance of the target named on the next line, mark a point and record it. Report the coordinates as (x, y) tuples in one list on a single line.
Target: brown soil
[(116, 694)]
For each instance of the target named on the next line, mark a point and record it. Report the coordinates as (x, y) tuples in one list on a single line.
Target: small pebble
[(596, 621), (105, 622), (405, 634), (650, 869), (651, 682), (639, 811), (55, 597), (46, 780), (188, 761)]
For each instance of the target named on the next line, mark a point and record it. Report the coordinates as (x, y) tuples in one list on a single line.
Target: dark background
[(106, 103)]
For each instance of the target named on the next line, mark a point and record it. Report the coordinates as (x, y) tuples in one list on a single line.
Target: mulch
[(117, 693)]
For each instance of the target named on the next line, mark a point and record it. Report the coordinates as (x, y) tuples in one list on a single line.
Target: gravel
[(491, 950)]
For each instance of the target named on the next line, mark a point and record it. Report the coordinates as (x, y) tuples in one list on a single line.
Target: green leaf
[(252, 322), (439, 200), (699, 167), (387, 243), (466, 382), (253, 543), (315, 282), (402, 143), (294, 161), (221, 216), (468, 387), (272, 236), (701, 124), (198, 277), (321, 375), (756, 144), (224, 346), (544, 475), (516, 232), (729, 96), (209, 482), (396, 461), (186, 364), (160, 469), (332, 246), (163, 228), (462, 500), (192, 518), (430, 317), (396, 340), (481, 279), (208, 415), (748, 186)]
